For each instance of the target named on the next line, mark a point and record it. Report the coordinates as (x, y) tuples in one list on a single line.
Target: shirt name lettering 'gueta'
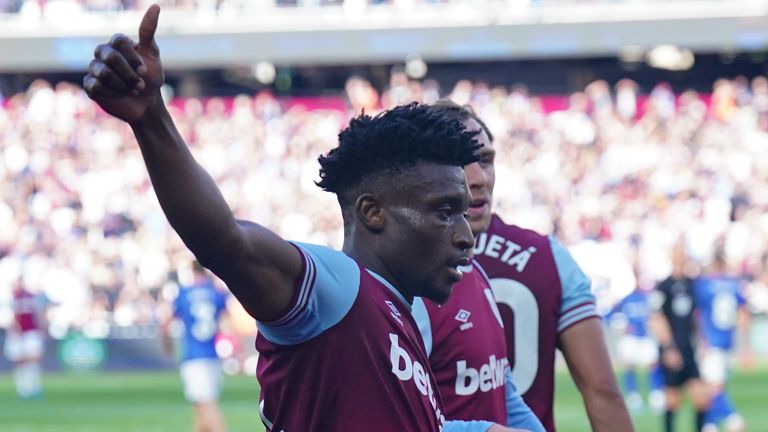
[(413, 370), (504, 250), (490, 376)]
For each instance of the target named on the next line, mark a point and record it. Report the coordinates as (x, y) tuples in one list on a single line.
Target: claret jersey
[(540, 291), (464, 339), (26, 307), (467, 352), (346, 356)]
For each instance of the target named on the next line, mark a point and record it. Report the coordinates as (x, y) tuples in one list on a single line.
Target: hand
[(672, 358), (124, 78)]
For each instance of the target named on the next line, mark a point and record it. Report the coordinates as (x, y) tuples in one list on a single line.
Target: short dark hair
[(452, 110), (391, 142)]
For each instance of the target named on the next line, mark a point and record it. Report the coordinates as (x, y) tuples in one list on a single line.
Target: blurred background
[(619, 125)]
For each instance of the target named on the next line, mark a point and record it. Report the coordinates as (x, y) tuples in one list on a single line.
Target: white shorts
[(24, 346), (202, 379), (637, 351), (714, 366)]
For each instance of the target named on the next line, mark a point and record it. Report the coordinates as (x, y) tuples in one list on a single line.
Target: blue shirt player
[(637, 349), (719, 299), (199, 307)]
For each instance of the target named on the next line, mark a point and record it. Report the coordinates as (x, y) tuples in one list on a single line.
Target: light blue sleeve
[(519, 415), (467, 426), (326, 292), (578, 301), (421, 316)]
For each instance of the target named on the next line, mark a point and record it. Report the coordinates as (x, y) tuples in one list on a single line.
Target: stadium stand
[(615, 170), (613, 167)]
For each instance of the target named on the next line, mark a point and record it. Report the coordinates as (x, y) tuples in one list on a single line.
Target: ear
[(370, 211)]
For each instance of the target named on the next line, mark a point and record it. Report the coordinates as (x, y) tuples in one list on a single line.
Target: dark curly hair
[(452, 110), (390, 143)]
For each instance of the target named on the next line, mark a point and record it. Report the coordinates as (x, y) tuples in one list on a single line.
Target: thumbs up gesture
[(124, 77)]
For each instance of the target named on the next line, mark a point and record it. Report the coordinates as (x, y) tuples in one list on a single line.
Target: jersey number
[(204, 313), (526, 312), (724, 308)]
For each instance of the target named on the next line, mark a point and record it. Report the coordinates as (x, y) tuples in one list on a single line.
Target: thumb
[(148, 26)]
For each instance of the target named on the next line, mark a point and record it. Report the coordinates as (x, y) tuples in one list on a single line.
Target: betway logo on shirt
[(490, 376), (407, 369)]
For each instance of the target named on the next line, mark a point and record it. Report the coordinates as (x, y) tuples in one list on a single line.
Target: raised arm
[(259, 267)]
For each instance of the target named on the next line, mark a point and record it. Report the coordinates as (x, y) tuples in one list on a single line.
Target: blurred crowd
[(44, 7), (618, 175), (49, 7), (80, 223)]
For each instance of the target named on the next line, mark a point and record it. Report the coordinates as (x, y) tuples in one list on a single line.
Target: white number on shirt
[(526, 311), (724, 311), (204, 313)]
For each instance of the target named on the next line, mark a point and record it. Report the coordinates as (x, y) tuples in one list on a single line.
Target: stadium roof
[(337, 35)]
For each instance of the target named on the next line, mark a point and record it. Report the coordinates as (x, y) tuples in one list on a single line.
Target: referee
[(672, 321)]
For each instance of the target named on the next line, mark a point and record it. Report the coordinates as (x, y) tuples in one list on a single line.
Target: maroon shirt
[(466, 348), (25, 308), (346, 356), (540, 291)]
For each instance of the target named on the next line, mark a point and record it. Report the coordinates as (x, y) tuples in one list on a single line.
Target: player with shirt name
[(546, 303), (720, 303), (464, 336), (199, 305), (339, 349)]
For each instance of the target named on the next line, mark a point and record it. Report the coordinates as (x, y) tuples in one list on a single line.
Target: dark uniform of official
[(674, 298)]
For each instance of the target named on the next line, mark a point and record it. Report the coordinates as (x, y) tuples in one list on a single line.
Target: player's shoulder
[(515, 232), (325, 253), (328, 265), (326, 292), (498, 225)]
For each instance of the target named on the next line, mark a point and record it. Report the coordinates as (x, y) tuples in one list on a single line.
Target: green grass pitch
[(149, 402)]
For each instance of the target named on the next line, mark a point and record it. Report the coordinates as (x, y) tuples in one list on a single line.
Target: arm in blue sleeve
[(467, 426), (519, 415)]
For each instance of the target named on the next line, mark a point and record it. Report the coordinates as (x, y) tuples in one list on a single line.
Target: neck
[(368, 258)]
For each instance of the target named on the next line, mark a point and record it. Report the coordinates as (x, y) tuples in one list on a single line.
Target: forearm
[(587, 357), (602, 397), (188, 196)]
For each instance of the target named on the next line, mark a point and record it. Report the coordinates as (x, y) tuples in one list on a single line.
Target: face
[(427, 236), (481, 177)]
